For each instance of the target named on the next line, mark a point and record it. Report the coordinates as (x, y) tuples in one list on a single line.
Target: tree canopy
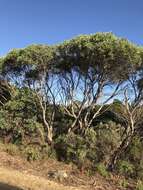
[(79, 82)]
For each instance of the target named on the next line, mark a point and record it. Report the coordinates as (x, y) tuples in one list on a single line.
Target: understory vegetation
[(78, 102)]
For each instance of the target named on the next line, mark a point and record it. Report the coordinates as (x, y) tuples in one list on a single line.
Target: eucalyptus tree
[(130, 111), (92, 71), (32, 67)]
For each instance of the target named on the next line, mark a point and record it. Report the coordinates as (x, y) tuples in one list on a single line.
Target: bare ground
[(18, 172)]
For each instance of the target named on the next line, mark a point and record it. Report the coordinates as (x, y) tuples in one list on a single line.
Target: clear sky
[(24, 22)]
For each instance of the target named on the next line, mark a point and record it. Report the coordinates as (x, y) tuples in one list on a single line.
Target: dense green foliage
[(79, 102)]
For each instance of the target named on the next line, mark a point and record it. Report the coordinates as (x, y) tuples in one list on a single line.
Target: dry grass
[(16, 171), (30, 182)]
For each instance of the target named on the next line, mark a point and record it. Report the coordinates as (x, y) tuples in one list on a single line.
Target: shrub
[(125, 168), (48, 151), (12, 149), (134, 154), (123, 183), (101, 169), (139, 170), (77, 149), (4, 120), (139, 185), (32, 153), (108, 138), (71, 148)]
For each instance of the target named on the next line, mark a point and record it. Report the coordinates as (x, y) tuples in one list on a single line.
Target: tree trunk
[(49, 128), (117, 153), (50, 136)]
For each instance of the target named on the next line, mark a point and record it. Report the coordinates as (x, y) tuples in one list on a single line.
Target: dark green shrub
[(18, 118), (77, 149), (101, 169), (134, 154), (125, 168), (48, 152), (139, 170), (108, 138), (123, 183), (32, 153), (70, 147), (4, 120)]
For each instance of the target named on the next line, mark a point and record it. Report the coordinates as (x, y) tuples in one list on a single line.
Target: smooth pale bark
[(48, 125), (132, 115)]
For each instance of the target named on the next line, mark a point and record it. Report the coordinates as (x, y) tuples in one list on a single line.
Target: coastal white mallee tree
[(83, 76), (92, 71), (32, 67)]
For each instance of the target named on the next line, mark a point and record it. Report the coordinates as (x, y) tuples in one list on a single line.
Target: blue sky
[(24, 22)]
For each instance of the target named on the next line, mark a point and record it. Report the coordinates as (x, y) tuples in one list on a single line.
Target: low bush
[(139, 185), (123, 183), (77, 149), (125, 168), (101, 169), (108, 138), (12, 149), (32, 153)]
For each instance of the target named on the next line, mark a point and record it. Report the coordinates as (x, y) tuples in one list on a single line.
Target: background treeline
[(79, 101)]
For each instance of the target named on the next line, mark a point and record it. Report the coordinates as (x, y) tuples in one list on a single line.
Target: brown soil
[(16, 171)]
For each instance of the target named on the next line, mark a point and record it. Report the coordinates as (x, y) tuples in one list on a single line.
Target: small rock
[(58, 174)]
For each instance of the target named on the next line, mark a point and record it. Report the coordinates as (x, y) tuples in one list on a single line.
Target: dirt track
[(18, 174), (25, 181)]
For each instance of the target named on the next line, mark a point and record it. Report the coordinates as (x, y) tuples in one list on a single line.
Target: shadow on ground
[(4, 186)]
